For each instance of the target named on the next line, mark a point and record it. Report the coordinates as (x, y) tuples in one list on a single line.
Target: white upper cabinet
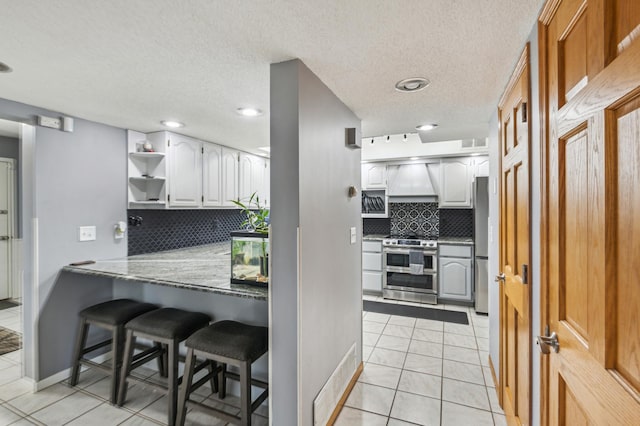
[(185, 171), (374, 176), (481, 165), (177, 171), (252, 176), (229, 176), (211, 175), (456, 175)]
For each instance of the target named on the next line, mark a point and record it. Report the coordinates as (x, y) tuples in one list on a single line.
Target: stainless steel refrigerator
[(481, 239)]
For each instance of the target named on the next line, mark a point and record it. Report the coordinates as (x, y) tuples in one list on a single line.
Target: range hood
[(416, 182)]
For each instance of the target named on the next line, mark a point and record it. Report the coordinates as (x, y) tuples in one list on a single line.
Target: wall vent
[(334, 388)]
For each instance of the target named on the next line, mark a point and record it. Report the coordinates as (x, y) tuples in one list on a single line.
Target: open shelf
[(145, 155), (146, 179)]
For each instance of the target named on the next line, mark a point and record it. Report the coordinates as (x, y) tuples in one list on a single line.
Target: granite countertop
[(205, 268), (374, 237), (456, 240)]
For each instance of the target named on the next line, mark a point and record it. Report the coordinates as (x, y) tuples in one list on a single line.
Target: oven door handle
[(406, 251)]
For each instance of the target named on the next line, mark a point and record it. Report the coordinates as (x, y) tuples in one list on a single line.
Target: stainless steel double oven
[(409, 270)]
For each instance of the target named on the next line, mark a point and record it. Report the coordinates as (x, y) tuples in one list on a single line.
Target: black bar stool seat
[(169, 327), (111, 315), (225, 342)]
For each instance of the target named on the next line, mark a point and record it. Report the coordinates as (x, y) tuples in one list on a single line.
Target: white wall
[(310, 175), (534, 165)]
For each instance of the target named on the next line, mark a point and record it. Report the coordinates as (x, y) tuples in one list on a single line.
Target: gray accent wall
[(69, 180), (535, 167), (317, 293)]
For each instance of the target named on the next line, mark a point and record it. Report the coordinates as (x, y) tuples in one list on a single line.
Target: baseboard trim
[(64, 374), (493, 373), (345, 395)]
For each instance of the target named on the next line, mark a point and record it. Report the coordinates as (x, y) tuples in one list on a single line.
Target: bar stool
[(169, 327), (225, 342), (111, 315)]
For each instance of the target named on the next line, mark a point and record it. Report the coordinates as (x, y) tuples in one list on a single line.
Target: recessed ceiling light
[(173, 124), (413, 84), (425, 127), (414, 158), (475, 154), (249, 112), (5, 68)]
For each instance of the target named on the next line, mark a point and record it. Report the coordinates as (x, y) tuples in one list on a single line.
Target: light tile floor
[(416, 372), (423, 372)]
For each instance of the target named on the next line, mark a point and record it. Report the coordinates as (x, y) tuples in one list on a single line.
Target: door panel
[(211, 175), (515, 233), (593, 230), (627, 307)]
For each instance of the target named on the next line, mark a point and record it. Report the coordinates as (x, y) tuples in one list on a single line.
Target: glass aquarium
[(249, 258)]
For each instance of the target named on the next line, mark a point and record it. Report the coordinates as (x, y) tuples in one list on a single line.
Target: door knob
[(500, 277), (547, 342)]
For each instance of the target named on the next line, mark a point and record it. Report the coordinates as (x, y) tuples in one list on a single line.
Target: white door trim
[(11, 231)]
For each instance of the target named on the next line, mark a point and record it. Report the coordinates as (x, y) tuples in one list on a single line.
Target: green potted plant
[(256, 214), (255, 234)]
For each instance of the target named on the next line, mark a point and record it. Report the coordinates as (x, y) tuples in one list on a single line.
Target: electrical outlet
[(86, 233), (54, 123)]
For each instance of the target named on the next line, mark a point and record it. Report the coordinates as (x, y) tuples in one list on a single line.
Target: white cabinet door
[(185, 172), (455, 183), (372, 281), (246, 172), (251, 177), (211, 175), (455, 278), (374, 176), (229, 176), (481, 166), (372, 262)]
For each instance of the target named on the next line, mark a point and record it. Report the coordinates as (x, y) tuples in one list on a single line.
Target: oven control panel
[(393, 242)]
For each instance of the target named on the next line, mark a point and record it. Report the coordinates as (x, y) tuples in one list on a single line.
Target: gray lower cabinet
[(455, 273), (372, 267)]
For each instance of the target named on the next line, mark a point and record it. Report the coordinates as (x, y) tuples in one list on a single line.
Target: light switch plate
[(353, 235), (86, 233)]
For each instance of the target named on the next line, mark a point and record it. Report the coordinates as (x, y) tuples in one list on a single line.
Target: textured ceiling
[(134, 63)]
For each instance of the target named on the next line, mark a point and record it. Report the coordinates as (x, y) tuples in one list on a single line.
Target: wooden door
[(591, 85), (211, 175), (185, 172), (515, 232)]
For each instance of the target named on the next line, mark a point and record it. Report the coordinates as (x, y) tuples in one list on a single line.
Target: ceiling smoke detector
[(414, 84), (5, 68)]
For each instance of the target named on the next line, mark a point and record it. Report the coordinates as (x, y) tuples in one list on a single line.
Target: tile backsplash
[(173, 229), (414, 218), (422, 219)]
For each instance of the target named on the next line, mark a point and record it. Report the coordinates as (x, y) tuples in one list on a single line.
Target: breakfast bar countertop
[(205, 268)]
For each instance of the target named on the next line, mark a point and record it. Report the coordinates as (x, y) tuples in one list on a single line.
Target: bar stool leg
[(185, 389), (172, 394), (126, 367), (245, 393), (81, 339), (222, 386), (213, 367), (116, 359)]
